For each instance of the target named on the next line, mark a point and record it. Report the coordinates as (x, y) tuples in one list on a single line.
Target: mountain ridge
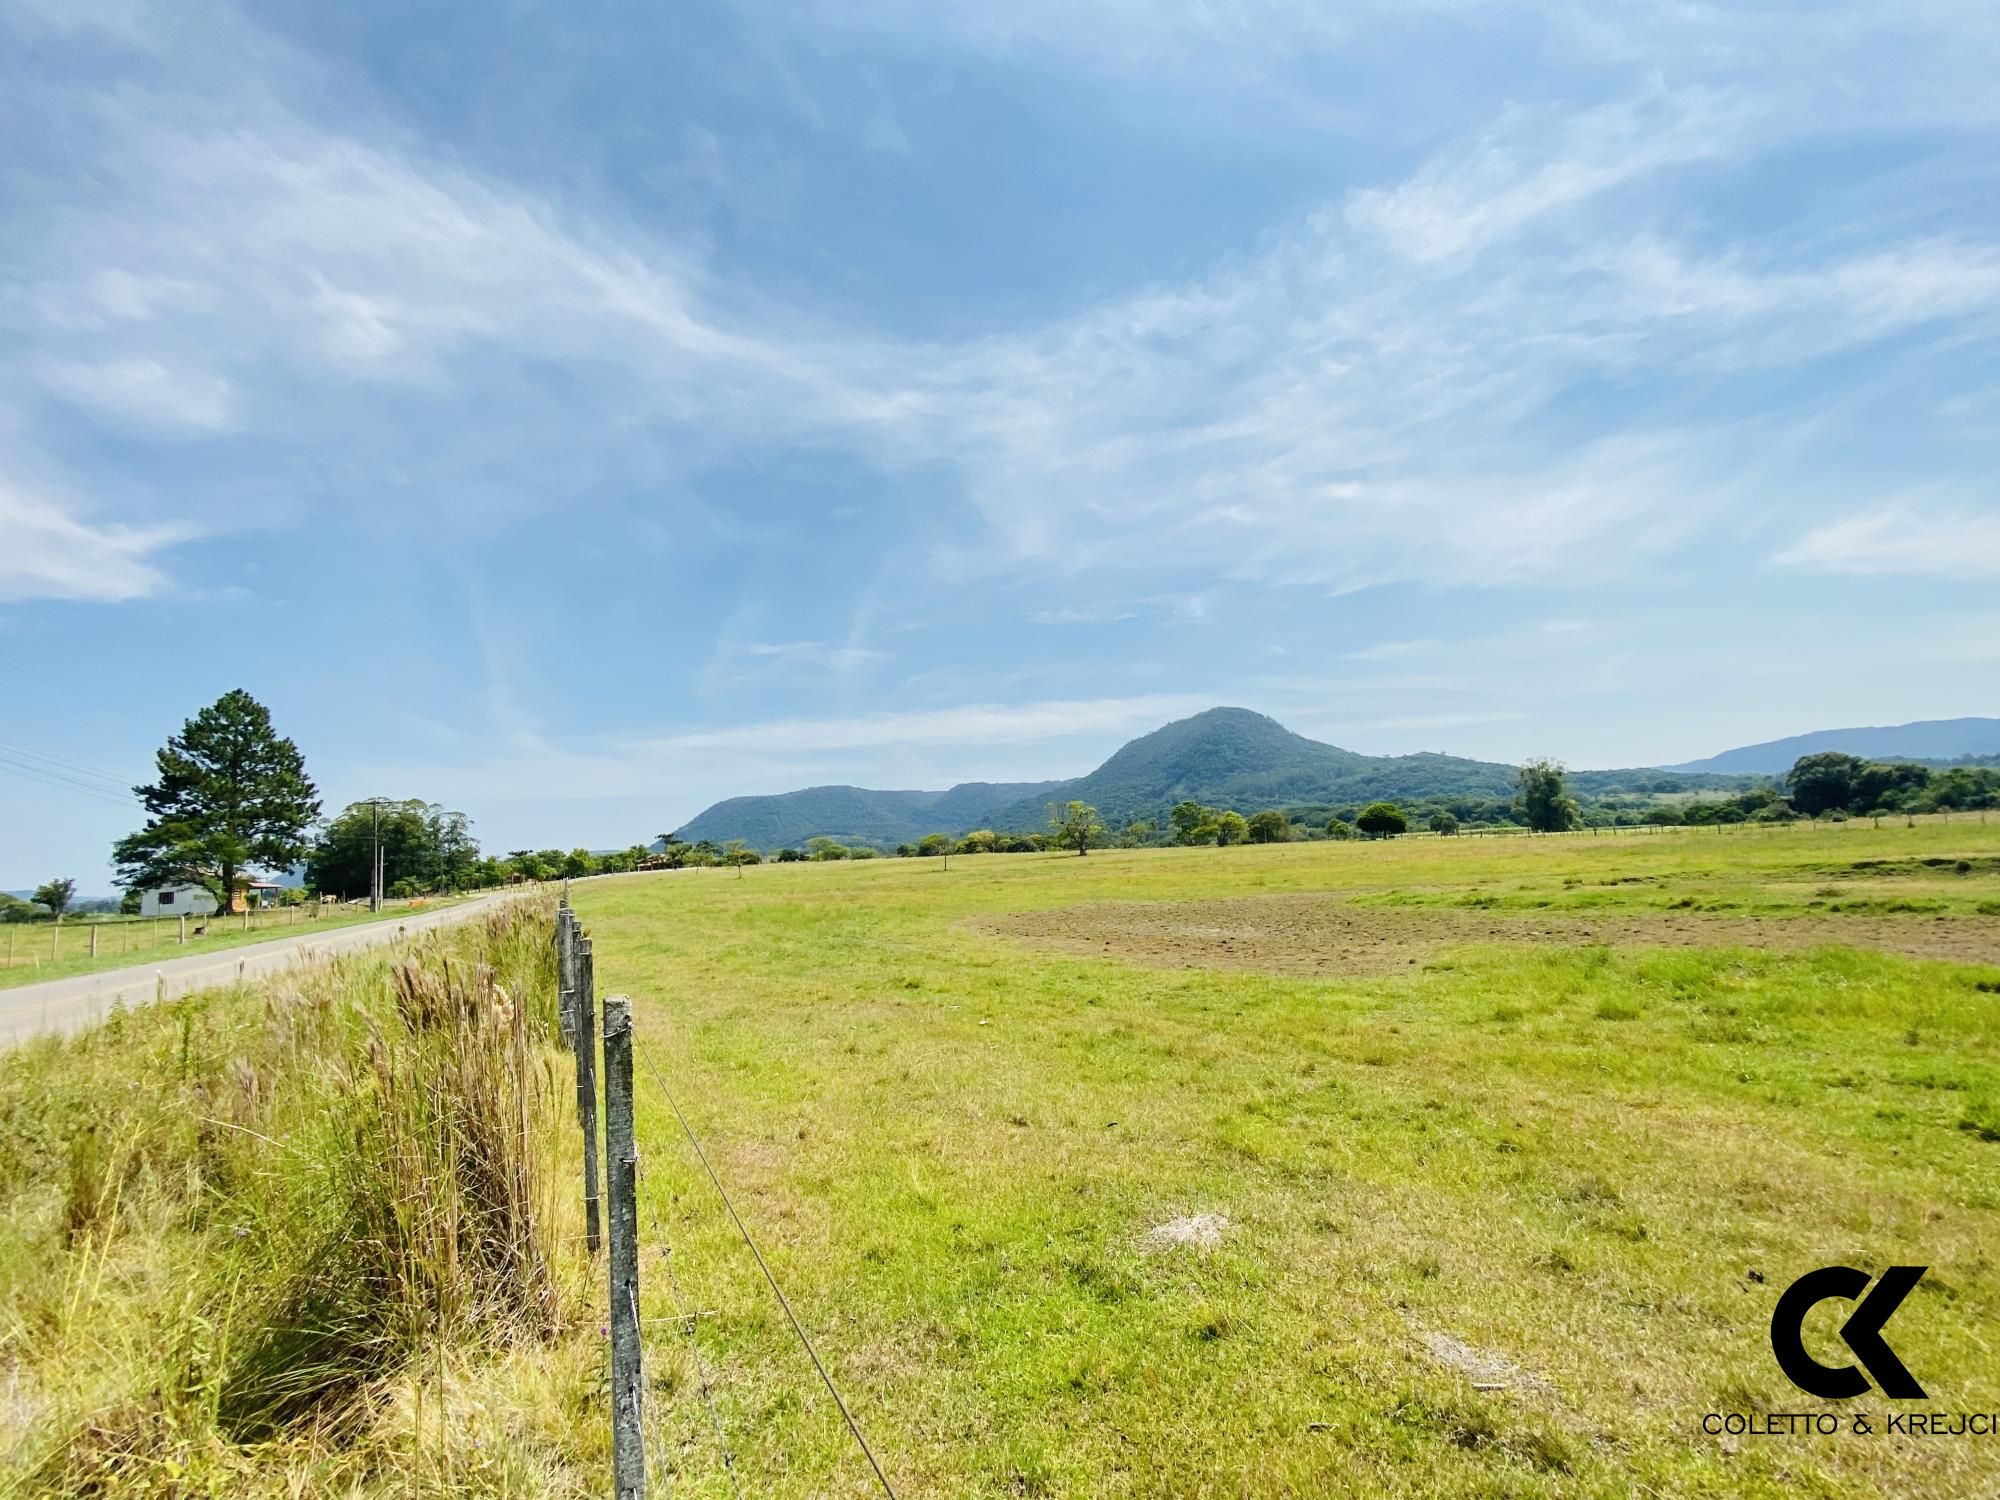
[(1227, 757), (1920, 739)]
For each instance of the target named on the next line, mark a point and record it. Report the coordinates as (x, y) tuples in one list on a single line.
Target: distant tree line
[(1833, 782)]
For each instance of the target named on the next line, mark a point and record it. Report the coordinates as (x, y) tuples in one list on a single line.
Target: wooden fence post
[(586, 1089), (93, 939), (566, 975), (628, 1448)]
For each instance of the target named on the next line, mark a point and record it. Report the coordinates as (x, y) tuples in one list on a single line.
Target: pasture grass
[(1584, 1172)]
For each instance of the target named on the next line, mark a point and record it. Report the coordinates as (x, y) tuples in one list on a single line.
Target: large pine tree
[(231, 793)]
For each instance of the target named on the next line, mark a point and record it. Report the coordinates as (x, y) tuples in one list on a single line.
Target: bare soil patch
[(1320, 934)]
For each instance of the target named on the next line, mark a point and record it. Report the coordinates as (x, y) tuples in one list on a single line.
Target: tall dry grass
[(243, 1230)]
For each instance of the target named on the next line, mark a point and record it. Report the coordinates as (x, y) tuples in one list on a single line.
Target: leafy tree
[(737, 853), (56, 895), (622, 861), (1444, 824), (128, 904), (790, 857), (1382, 820), (453, 851), (528, 865), (1820, 783), (230, 792), (1339, 828), (1188, 818), (824, 848), (1962, 787), (1231, 828), (14, 909), (1270, 827), (578, 863), (423, 847), (1542, 790), (1076, 826)]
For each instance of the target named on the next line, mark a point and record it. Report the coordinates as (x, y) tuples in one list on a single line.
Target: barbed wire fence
[(578, 1011)]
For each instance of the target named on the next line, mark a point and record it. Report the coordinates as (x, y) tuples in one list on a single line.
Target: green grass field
[(1577, 1173), (1426, 1168), (34, 951)]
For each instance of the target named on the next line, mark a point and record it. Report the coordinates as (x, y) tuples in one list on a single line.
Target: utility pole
[(375, 865)]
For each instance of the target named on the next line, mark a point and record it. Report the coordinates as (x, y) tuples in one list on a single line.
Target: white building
[(176, 901)]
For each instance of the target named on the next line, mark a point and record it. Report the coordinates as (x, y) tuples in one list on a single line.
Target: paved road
[(74, 1003)]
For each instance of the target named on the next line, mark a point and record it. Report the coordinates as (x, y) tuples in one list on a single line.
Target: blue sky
[(577, 415)]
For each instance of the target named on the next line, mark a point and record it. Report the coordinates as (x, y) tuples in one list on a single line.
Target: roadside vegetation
[(31, 951), (308, 1237)]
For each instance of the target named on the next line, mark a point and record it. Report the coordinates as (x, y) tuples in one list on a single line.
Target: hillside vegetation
[(1224, 757), (854, 813)]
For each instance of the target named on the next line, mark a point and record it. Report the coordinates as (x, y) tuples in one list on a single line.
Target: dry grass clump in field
[(247, 1231)]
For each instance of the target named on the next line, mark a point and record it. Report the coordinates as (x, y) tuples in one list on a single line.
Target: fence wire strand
[(659, 1079), (687, 1315)]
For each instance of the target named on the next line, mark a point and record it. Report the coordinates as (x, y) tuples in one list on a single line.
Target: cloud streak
[(1366, 398), (1902, 539), (51, 553)]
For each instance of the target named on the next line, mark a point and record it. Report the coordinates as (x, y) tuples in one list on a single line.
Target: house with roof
[(190, 899)]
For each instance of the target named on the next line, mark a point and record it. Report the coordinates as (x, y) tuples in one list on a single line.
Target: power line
[(59, 782), (776, 1291), (70, 767)]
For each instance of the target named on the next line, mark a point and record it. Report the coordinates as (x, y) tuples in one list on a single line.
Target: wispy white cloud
[(1443, 721), (52, 553), (817, 654), (1355, 401), (963, 725), (1903, 539), (145, 392), (1537, 162)]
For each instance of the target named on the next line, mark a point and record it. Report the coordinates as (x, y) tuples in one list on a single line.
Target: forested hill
[(1933, 740), (1231, 757), (1225, 757), (855, 814)]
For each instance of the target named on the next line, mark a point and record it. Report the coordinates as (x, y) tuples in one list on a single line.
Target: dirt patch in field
[(1306, 934)]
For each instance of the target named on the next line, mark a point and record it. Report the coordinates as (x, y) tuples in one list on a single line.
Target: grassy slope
[(950, 1144), (120, 943)]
